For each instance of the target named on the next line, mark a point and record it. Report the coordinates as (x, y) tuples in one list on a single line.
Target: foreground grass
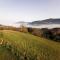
[(24, 46), (5, 54)]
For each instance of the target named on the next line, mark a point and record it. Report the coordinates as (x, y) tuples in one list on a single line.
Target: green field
[(24, 46)]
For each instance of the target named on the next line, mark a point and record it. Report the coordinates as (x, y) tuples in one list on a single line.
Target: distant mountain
[(47, 21)]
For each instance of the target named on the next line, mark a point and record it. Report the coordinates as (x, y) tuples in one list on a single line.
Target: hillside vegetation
[(24, 46)]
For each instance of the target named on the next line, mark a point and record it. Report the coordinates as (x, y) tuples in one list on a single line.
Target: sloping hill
[(46, 21), (24, 46)]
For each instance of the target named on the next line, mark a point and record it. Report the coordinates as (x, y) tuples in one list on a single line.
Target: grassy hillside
[(24, 46)]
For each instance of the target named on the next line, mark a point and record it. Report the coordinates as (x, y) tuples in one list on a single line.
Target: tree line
[(53, 34)]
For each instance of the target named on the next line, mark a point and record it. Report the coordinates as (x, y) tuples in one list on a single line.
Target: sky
[(12, 11)]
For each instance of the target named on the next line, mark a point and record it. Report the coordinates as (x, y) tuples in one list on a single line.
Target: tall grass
[(28, 47)]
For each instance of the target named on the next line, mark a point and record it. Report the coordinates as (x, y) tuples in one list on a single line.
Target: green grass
[(5, 54), (24, 46)]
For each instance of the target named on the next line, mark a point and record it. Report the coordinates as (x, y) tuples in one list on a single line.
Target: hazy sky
[(12, 11)]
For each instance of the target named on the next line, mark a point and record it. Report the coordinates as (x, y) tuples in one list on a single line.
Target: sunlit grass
[(31, 47)]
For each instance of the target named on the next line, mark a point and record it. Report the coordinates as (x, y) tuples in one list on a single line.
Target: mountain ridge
[(46, 21)]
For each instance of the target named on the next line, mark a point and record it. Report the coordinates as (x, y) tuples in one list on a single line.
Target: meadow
[(24, 46)]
